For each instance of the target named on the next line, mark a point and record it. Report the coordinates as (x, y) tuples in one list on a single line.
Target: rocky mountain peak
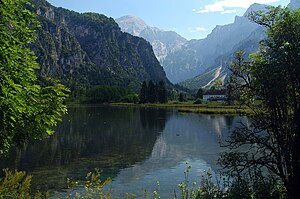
[(254, 7), (163, 42), (132, 24)]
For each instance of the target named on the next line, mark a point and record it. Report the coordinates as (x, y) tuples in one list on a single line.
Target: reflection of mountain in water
[(88, 138), (192, 138)]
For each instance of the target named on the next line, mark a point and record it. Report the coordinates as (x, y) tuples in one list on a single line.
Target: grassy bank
[(189, 107)]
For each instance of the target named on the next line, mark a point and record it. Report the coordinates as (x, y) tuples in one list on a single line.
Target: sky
[(192, 19)]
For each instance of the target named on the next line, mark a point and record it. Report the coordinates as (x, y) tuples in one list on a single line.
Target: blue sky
[(193, 19)]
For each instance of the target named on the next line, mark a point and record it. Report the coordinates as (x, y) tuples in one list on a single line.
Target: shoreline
[(207, 108)]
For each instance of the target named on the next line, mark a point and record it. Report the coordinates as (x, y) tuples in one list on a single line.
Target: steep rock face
[(198, 55), (59, 53), (90, 49), (163, 42)]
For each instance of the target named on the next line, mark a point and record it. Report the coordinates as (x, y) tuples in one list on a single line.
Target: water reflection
[(90, 137), (186, 138), (135, 146)]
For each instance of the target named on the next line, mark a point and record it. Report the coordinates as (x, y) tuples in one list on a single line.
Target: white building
[(214, 95)]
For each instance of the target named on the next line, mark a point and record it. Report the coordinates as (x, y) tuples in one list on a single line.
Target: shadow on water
[(90, 137)]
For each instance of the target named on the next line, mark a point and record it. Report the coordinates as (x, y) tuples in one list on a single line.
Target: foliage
[(198, 101), (143, 92), (255, 185), (231, 94), (273, 76), (200, 93), (218, 84), (92, 185), (28, 110), (130, 98), (181, 97), (17, 185), (105, 94), (153, 92), (162, 92)]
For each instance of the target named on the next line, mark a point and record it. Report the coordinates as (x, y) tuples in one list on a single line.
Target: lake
[(134, 146)]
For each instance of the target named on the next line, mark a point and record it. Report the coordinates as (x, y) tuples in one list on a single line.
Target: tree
[(28, 110), (162, 92), (181, 97), (200, 93), (273, 76), (218, 84), (105, 94), (152, 92), (231, 94), (143, 92)]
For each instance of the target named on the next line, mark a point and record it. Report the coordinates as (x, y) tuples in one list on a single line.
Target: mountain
[(219, 68), (90, 49), (198, 55), (294, 4), (163, 42)]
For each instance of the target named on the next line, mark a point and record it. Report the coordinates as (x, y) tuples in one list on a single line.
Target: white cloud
[(229, 11), (197, 29), (221, 6)]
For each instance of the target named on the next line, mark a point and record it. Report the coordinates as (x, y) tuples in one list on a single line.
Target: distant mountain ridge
[(89, 49), (163, 42), (294, 4), (199, 55), (249, 44)]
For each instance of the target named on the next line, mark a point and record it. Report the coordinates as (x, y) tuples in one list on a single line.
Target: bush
[(198, 101), (16, 184), (130, 98)]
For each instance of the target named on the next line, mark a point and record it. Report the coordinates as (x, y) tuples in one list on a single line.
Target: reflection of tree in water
[(90, 137), (153, 118), (229, 121)]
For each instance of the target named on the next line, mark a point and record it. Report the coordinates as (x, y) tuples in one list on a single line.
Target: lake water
[(136, 147)]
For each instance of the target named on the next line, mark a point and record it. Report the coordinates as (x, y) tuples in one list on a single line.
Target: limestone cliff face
[(90, 49), (163, 42)]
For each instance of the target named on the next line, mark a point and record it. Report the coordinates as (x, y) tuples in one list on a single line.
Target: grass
[(189, 107)]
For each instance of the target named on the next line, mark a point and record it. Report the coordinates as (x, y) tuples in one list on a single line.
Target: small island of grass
[(219, 108)]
